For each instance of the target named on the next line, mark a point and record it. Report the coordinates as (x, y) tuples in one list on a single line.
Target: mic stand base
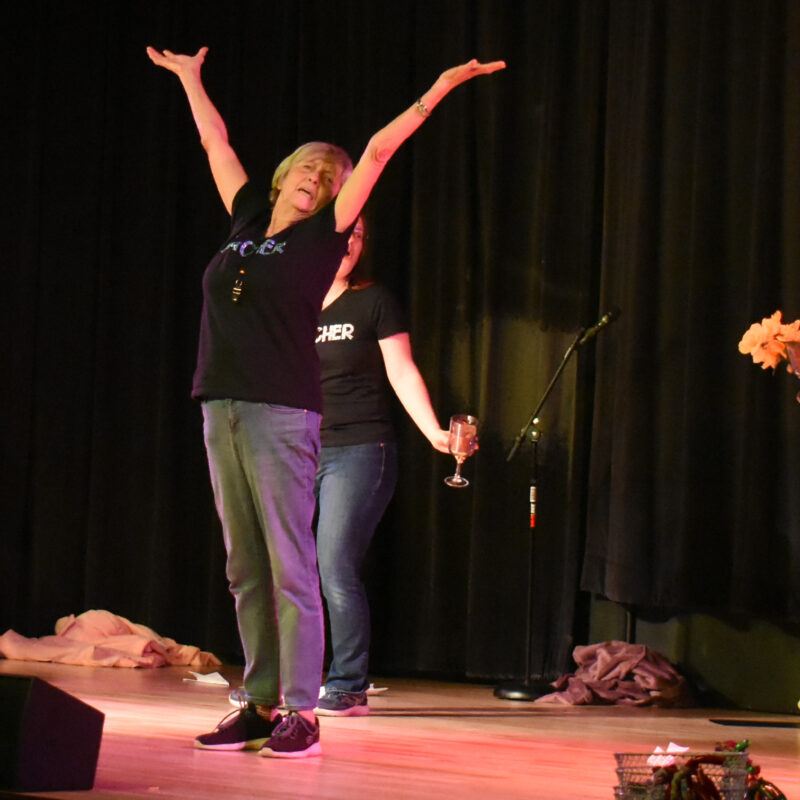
[(524, 690)]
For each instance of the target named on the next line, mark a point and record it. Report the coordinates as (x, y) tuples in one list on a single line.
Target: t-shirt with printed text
[(261, 347), (356, 405)]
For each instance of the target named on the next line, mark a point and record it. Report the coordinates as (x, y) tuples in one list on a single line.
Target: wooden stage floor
[(423, 740)]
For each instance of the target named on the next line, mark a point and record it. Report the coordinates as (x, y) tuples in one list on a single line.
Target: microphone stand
[(530, 689), (584, 335)]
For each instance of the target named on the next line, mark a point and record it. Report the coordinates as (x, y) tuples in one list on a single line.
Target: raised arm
[(228, 173), (410, 388), (384, 143)]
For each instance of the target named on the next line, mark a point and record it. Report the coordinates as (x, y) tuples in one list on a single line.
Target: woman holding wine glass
[(363, 344)]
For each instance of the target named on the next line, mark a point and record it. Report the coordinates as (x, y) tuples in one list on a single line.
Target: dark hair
[(360, 275)]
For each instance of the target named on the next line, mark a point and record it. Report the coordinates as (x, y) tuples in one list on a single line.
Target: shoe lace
[(233, 714), (289, 723)]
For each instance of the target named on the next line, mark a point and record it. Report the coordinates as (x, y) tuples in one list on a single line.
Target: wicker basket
[(639, 780)]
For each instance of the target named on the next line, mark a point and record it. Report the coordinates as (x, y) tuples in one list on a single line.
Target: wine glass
[(463, 443)]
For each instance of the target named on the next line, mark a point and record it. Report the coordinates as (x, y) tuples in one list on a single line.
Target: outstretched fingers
[(472, 69), (489, 66), (176, 62)]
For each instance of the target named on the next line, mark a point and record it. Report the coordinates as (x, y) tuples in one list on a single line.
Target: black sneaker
[(240, 730), (294, 737), (335, 703)]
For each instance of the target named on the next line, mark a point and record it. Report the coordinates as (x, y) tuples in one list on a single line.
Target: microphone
[(608, 317)]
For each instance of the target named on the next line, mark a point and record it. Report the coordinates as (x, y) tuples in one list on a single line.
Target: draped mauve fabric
[(618, 673), (102, 639)]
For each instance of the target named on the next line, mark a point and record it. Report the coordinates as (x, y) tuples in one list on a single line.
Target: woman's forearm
[(383, 144), (410, 388), (207, 118)]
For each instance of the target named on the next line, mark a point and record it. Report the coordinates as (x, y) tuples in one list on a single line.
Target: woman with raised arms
[(257, 379)]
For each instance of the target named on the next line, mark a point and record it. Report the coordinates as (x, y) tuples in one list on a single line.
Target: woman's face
[(355, 244), (309, 184)]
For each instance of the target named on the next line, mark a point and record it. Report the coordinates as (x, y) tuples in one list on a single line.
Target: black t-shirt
[(261, 348), (356, 407)]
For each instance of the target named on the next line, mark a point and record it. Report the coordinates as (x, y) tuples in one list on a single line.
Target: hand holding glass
[(463, 443)]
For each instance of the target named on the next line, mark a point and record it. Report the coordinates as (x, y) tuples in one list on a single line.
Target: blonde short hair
[(328, 152)]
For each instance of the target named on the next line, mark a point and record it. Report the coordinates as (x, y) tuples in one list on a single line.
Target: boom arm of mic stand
[(521, 435)]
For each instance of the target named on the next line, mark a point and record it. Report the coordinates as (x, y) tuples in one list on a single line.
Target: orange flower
[(764, 340), (790, 333)]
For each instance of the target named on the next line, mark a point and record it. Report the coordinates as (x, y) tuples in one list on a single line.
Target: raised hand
[(229, 175), (176, 62), (472, 69)]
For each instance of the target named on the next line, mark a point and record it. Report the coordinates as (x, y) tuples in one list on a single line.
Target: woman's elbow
[(378, 150)]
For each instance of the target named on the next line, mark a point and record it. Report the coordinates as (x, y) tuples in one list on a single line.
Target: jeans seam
[(383, 468)]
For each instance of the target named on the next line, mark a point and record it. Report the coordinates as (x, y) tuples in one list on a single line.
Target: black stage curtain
[(694, 474), (634, 154)]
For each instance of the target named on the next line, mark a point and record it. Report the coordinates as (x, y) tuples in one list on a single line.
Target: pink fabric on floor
[(619, 673), (102, 639)]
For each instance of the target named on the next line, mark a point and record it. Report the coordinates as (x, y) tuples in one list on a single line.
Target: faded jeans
[(262, 460), (354, 485)]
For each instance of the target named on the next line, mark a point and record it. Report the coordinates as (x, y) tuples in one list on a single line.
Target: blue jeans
[(263, 459), (354, 485)]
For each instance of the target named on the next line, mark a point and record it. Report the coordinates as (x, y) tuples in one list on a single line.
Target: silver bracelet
[(422, 109)]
